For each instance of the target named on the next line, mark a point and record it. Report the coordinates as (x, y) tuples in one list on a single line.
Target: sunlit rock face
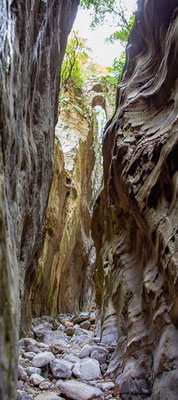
[(135, 219), (63, 279), (32, 43)]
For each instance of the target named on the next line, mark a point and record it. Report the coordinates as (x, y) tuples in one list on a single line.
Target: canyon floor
[(64, 359)]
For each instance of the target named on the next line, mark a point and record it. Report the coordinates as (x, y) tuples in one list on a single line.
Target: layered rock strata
[(32, 44), (135, 218), (64, 275)]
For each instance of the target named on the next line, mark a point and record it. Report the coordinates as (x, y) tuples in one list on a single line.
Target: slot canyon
[(88, 246)]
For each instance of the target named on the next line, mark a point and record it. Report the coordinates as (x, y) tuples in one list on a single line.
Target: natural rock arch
[(99, 100)]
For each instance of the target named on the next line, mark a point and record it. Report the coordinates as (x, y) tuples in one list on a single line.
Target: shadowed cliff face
[(32, 44), (63, 277), (135, 219), (68, 247)]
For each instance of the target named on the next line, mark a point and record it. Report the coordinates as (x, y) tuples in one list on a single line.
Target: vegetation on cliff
[(115, 13)]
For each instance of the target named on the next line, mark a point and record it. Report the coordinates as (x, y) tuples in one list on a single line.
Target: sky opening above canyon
[(102, 52)]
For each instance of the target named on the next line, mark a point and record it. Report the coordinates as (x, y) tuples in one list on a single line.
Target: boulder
[(87, 369), (61, 368), (79, 391), (80, 318), (53, 336), (85, 324), (42, 359)]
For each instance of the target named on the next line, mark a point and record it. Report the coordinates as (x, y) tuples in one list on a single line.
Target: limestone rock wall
[(63, 277), (32, 43), (135, 218)]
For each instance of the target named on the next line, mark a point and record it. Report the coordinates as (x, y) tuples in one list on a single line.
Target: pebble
[(22, 375), (45, 385), (21, 395), (85, 325), (33, 370), (36, 379), (48, 396), (58, 346), (30, 355), (23, 361), (106, 385), (70, 331), (20, 384), (66, 359)]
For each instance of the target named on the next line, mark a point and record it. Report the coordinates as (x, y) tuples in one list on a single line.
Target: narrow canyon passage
[(88, 245)]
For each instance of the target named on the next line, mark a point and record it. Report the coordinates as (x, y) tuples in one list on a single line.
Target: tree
[(115, 71), (75, 57), (112, 11)]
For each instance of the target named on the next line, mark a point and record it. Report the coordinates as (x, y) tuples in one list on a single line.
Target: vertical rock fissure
[(63, 279)]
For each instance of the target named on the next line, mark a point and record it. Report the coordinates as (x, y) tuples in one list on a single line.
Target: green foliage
[(123, 33), (113, 11), (75, 57), (115, 71)]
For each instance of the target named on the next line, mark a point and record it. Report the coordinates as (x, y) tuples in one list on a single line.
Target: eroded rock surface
[(32, 43), (64, 275), (135, 219)]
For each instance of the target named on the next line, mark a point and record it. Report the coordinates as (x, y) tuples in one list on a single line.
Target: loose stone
[(71, 358), (58, 346), (22, 375), (85, 324), (51, 337), (70, 331), (79, 391), (100, 354), (80, 318), (36, 379), (42, 359), (61, 368), (21, 395), (106, 385), (23, 361), (86, 351), (45, 385), (87, 369), (40, 329), (33, 370), (30, 355), (48, 396), (43, 365)]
